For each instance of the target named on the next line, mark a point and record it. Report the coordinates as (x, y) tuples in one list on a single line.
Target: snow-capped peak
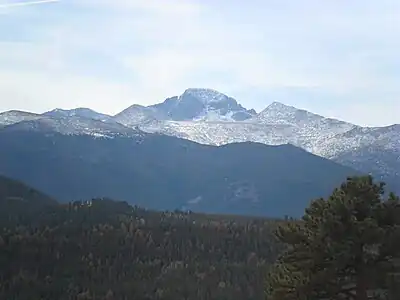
[(205, 95), (15, 116), (279, 113), (77, 112), (204, 104), (196, 104), (281, 107)]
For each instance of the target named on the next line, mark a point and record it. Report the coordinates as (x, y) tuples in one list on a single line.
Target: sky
[(337, 58)]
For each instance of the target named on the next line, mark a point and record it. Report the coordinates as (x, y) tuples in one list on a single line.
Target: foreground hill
[(11, 190), (162, 172), (109, 250), (18, 197)]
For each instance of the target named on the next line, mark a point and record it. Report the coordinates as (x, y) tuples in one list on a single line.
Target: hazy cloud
[(337, 58)]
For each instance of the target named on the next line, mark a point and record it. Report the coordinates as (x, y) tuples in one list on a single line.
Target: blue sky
[(338, 58)]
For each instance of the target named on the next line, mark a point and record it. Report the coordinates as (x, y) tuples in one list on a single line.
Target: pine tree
[(343, 248)]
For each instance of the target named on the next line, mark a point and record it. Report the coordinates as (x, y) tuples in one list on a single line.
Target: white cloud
[(161, 7), (24, 3)]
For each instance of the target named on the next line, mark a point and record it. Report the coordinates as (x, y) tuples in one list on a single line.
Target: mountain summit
[(15, 116), (77, 112), (279, 113), (197, 104)]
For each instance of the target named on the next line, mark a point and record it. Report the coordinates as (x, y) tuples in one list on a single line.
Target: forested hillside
[(103, 249)]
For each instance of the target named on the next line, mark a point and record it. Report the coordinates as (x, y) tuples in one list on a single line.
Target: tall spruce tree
[(344, 247)]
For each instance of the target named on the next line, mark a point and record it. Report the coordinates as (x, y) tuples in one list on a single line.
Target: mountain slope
[(137, 114), (77, 112), (308, 130), (373, 150), (383, 138), (14, 190), (277, 124), (164, 172), (73, 126), (16, 116)]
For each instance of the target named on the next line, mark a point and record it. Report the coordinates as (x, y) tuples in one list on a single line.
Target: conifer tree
[(343, 248)]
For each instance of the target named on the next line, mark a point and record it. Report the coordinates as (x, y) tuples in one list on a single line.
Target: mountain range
[(208, 119)]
